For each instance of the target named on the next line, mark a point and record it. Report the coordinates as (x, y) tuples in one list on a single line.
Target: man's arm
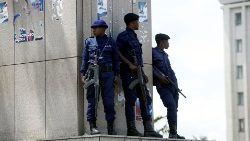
[(116, 59), (156, 73), (85, 59), (120, 44)]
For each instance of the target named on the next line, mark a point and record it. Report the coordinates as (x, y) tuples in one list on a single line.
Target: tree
[(164, 128)]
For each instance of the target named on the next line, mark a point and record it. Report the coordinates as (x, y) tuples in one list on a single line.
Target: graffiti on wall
[(102, 8), (3, 12), (143, 11)]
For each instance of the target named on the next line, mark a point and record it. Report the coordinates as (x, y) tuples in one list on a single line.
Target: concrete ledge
[(110, 138)]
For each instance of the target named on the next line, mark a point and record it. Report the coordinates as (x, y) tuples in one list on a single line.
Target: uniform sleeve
[(156, 74), (85, 59), (116, 58), (120, 44)]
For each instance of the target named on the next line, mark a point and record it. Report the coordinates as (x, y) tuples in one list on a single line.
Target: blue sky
[(197, 56)]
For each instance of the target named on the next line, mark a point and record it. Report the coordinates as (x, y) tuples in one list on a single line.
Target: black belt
[(106, 68)]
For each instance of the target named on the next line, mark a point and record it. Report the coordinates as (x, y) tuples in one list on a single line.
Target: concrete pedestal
[(111, 138)]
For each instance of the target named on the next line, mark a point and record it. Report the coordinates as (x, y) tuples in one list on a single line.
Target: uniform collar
[(161, 50), (130, 31)]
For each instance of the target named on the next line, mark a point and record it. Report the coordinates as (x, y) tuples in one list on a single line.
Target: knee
[(172, 106), (110, 104)]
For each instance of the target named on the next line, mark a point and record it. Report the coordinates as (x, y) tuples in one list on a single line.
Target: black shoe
[(172, 136), (149, 130), (180, 137), (110, 127), (173, 133), (93, 128), (131, 129), (175, 136)]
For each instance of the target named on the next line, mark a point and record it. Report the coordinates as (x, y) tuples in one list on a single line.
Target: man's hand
[(132, 67), (83, 79), (164, 81), (117, 83), (145, 78)]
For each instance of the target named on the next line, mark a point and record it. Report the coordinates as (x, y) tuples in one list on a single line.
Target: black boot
[(110, 127), (131, 129), (149, 130), (180, 137), (175, 136), (173, 133), (93, 128)]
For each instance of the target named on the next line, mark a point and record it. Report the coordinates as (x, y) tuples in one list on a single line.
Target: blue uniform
[(109, 67), (168, 93), (129, 44)]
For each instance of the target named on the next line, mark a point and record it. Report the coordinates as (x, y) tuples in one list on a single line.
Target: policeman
[(108, 60), (168, 93), (129, 45)]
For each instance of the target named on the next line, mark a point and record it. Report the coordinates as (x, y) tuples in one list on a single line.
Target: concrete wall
[(41, 95)]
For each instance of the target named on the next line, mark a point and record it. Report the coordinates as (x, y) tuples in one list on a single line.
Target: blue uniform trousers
[(131, 96), (169, 98), (107, 93)]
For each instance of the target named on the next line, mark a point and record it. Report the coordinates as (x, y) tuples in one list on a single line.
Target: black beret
[(99, 23), (130, 17), (160, 37)]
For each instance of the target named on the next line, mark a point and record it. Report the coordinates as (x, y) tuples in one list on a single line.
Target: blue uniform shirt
[(127, 41), (162, 63), (106, 50)]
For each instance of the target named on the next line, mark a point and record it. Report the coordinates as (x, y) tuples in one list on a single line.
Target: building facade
[(237, 63)]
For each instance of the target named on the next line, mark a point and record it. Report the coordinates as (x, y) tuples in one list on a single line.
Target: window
[(237, 18), (241, 125), (238, 45), (240, 98), (239, 72)]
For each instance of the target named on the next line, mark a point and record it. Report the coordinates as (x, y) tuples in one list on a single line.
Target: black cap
[(130, 17), (159, 37)]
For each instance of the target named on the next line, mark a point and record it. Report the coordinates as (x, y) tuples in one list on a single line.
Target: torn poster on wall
[(38, 4), (143, 11), (102, 8), (3, 12), (22, 37), (57, 10), (26, 37)]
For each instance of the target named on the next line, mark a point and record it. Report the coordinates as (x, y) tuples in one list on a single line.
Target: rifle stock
[(94, 80)]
